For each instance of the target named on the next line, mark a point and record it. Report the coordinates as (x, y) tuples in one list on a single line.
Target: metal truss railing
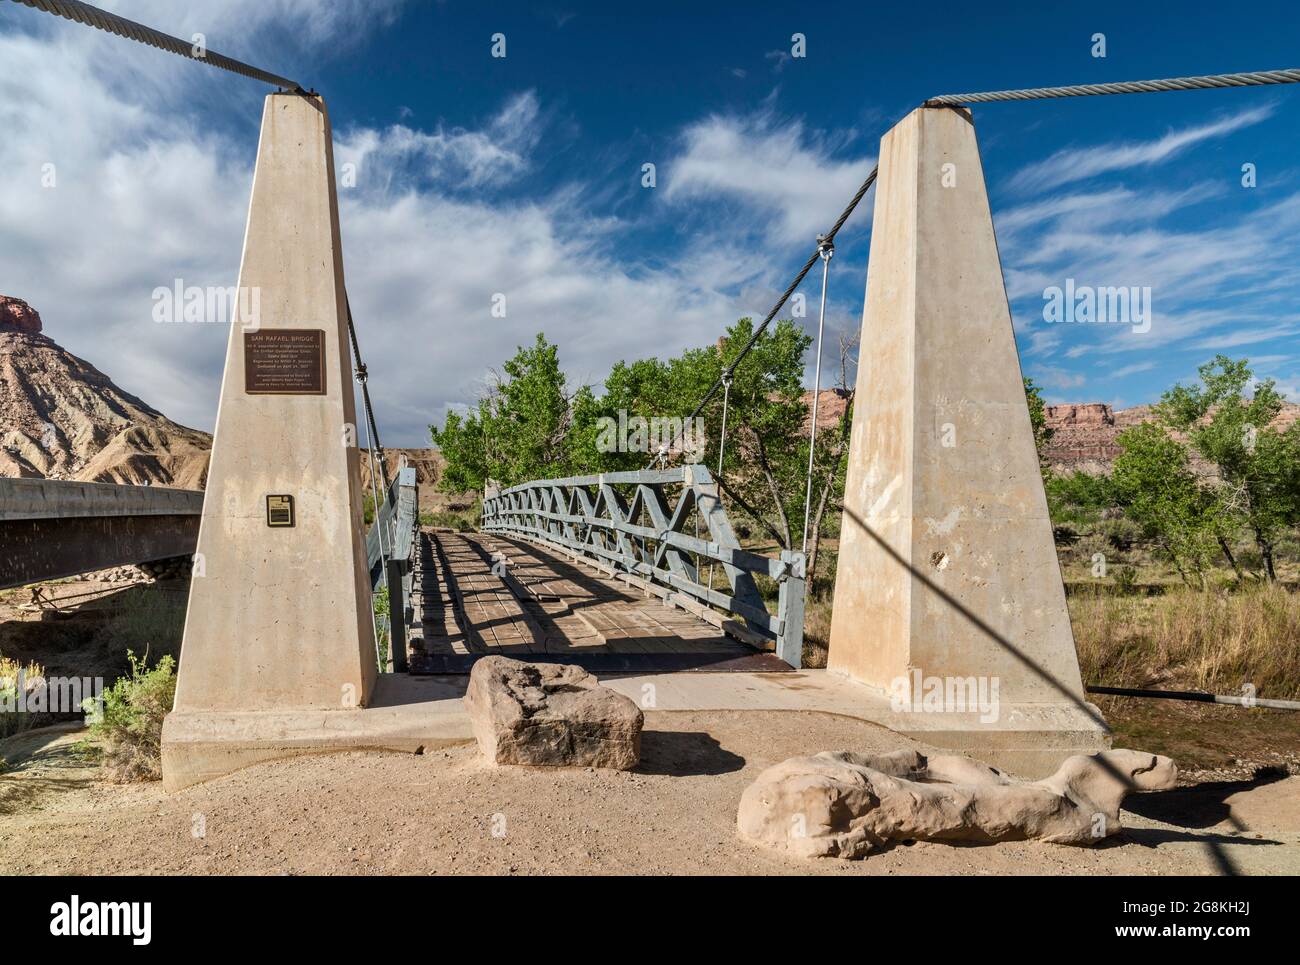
[(390, 552), (627, 523)]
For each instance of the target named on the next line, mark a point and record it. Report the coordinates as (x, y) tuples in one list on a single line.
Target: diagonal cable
[(729, 371)]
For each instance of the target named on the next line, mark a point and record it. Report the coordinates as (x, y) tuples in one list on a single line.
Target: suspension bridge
[(947, 567)]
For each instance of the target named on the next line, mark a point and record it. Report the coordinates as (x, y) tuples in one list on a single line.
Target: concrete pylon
[(279, 612), (947, 573)]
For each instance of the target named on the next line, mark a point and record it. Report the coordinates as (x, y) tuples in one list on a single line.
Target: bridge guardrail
[(390, 553), (603, 519)]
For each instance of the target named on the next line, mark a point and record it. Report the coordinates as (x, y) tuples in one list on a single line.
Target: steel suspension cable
[(1255, 78), (363, 377), (826, 249), (91, 16), (730, 370)]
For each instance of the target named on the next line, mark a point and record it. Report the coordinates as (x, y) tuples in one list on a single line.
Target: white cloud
[(456, 157), (1133, 369), (1057, 378), (1077, 164), (772, 165), (1289, 390), (1239, 335), (154, 159), (1225, 277)]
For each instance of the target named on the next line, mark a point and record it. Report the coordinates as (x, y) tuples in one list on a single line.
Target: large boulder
[(840, 804), (552, 715)]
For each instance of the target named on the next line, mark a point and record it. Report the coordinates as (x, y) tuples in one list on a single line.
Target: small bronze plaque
[(284, 361), (279, 510)]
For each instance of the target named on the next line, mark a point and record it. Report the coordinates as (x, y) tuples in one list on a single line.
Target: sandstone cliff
[(1084, 434)]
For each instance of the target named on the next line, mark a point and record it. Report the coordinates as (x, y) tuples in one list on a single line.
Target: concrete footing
[(406, 715), (1028, 740)]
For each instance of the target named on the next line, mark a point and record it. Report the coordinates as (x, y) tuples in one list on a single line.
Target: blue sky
[(522, 175)]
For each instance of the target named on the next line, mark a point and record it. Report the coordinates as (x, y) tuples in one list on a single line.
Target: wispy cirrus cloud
[(1223, 281), (1078, 164), (1251, 335), (1127, 370), (772, 165)]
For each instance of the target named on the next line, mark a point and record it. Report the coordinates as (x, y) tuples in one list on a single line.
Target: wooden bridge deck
[(479, 594)]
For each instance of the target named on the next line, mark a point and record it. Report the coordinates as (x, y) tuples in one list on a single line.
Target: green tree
[(1079, 499), (1153, 482), (528, 426), (766, 455), (1258, 467), (1038, 419), (766, 458), (462, 441), (520, 429)]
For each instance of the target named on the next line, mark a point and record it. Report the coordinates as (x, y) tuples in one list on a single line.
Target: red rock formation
[(830, 408), (1084, 434), (17, 316)]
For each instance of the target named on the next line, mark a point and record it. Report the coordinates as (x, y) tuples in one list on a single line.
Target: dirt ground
[(83, 627), (449, 812)]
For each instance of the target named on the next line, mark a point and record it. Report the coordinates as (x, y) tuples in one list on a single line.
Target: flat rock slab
[(841, 804), (550, 715)]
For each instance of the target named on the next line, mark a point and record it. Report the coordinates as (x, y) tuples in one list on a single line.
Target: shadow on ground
[(42, 762), (1200, 805), (685, 754)]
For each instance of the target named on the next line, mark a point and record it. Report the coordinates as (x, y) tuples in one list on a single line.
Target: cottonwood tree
[(519, 429), (1258, 466), (1038, 421), (1153, 482), (766, 457)]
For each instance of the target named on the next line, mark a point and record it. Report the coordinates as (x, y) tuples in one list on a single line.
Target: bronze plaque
[(284, 361), (279, 510)]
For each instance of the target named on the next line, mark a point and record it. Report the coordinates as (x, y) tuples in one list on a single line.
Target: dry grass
[(816, 633), (1183, 639), (13, 721), (1213, 640)]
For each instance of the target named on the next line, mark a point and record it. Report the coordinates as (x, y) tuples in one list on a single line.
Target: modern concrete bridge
[(51, 528)]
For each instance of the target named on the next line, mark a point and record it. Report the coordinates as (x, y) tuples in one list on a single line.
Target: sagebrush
[(130, 721)]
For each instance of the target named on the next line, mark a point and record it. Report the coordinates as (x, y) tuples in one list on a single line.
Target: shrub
[(1121, 533), (131, 719), (462, 520), (1088, 547)]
